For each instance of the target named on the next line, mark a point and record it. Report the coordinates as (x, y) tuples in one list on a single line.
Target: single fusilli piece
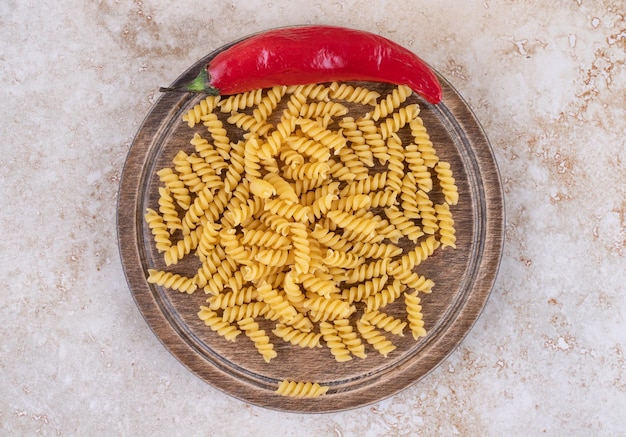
[(159, 230), (447, 182), (297, 337), (301, 389), (172, 281), (261, 341), (414, 315), (446, 225)]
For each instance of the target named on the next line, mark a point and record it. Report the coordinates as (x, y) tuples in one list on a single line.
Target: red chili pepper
[(313, 54)]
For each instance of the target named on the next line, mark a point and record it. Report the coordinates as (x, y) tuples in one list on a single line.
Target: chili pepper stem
[(201, 84)]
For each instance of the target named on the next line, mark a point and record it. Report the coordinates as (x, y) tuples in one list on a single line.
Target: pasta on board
[(310, 210)]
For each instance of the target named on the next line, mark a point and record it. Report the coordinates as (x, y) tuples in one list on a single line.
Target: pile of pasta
[(303, 206)]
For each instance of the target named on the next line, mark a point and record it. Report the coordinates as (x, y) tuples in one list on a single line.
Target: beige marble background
[(547, 80)]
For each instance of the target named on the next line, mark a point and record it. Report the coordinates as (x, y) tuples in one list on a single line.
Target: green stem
[(201, 84)]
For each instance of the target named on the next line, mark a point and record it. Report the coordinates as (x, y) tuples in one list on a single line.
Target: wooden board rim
[(189, 350)]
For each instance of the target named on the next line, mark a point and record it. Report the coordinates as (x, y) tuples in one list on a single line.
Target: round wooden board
[(463, 276)]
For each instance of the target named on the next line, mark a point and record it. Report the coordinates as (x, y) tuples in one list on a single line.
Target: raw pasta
[(308, 214)]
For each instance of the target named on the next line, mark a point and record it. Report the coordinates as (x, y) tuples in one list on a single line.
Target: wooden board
[(463, 276)]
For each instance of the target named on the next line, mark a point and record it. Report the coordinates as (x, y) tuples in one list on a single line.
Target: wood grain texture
[(463, 277)]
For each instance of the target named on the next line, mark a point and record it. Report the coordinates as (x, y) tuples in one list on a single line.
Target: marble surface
[(546, 79)]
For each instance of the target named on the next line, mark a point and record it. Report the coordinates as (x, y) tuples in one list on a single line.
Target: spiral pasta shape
[(268, 103), (277, 302), (292, 289), (251, 160), (197, 210), (289, 156), (377, 340), (324, 308), (353, 135), (259, 338), (288, 211), (205, 173), (318, 109), (204, 107), (168, 211), (427, 213), (243, 212), (301, 389), (301, 247), (312, 91), (413, 280), (422, 140), (308, 147), (232, 298), (447, 182), (385, 322), (376, 250), (276, 138), (318, 285), (334, 342), (267, 239), (395, 163), (403, 224), (446, 225), (366, 271), (209, 154), (236, 168), (310, 207), (349, 338), (218, 133), (362, 225), (365, 289), (172, 280), (353, 94), (315, 131), (397, 120), (159, 230), (273, 257), (177, 188), (283, 189), (249, 123), (391, 102), (234, 313), (239, 102), (215, 322), (353, 164), (414, 315), (182, 247), (297, 337), (418, 168), (416, 256), (309, 170), (345, 260), (330, 239), (386, 296), (409, 197)]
